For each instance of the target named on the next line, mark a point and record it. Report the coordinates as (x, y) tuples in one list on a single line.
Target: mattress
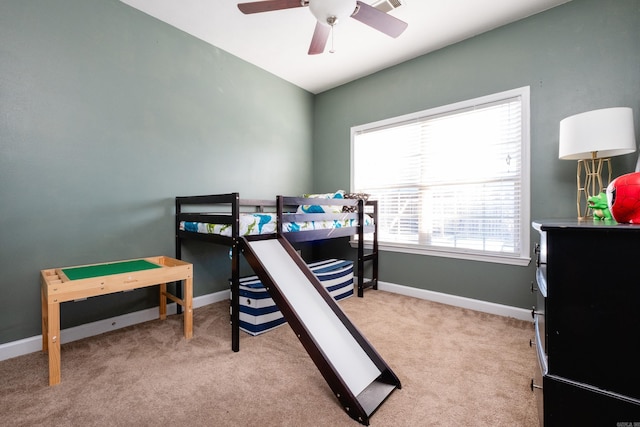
[(258, 311), (265, 223)]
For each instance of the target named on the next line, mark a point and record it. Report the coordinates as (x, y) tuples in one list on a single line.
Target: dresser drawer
[(569, 403), (539, 313), (537, 382), (541, 280), (542, 356)]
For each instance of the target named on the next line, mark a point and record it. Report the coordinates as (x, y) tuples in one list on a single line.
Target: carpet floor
[(458, 367)]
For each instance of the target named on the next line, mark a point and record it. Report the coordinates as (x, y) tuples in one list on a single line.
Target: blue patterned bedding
[(265, 223), (250, 224)]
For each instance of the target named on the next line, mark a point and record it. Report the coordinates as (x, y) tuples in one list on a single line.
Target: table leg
[(53, 342), (188, 308), (163, 301), (45, 321)]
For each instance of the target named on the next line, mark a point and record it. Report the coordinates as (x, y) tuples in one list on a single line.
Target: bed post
[(374, 215), (279, 212), (235, 274), (178, 253), (360, 248)]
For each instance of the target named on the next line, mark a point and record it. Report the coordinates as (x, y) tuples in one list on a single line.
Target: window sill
[(521, 261)]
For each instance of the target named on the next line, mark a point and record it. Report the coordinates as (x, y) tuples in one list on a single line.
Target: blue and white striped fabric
[(258, 311)]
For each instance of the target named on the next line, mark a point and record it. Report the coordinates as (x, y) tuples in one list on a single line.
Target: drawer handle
[(534, 385), (533, 288), (535, 313)]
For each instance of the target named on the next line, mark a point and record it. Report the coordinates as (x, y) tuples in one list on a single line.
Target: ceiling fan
[(328, 13)]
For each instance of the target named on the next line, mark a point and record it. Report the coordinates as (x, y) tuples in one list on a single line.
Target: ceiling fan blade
[(379, 20), (319, 40), (268, 5)]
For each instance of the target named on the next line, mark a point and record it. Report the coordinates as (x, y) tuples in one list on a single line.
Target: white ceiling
[(278, 41)]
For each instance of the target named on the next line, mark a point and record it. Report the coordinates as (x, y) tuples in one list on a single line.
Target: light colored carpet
[(457, 367)]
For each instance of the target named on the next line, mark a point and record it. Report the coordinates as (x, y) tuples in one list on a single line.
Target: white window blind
[(452, 180)]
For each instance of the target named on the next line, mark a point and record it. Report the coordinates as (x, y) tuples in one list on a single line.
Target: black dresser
[(587, 322)]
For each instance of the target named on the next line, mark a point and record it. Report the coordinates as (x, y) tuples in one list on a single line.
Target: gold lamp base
[(589, 180)]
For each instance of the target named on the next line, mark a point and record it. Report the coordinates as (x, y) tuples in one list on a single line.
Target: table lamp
[(592, 138)]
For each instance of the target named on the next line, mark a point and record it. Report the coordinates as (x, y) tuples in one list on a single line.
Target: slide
[(357, 375)]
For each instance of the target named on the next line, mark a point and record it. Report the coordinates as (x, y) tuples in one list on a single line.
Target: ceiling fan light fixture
[(330, 12)]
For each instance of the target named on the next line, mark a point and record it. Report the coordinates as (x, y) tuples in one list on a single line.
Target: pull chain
[(332, 49)]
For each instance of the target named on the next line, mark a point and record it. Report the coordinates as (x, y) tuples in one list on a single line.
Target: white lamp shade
[(608, 132)]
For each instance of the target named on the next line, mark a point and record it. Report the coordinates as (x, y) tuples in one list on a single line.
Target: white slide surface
[(340, 347)]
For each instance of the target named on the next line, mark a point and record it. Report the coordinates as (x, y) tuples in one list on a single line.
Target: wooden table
[(72, 283)]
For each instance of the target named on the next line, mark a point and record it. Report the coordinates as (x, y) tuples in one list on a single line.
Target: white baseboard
[(472, 304), (33, 344)]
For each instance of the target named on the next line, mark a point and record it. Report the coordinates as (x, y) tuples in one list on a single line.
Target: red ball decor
[(623, 196)]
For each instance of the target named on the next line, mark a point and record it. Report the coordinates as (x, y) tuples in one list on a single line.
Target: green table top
[(75, 273)]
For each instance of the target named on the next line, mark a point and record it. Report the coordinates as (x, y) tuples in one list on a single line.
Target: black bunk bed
[(195, 216)]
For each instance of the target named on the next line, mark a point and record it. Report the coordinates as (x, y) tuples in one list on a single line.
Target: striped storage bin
[(258, 312)]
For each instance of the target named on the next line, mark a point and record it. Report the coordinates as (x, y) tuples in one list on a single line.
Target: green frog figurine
[(600, 207)]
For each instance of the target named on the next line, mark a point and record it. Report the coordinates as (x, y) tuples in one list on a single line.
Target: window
[(450, 181)]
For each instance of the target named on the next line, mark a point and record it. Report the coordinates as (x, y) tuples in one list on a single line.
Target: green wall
[(577, 57), (106, 115)]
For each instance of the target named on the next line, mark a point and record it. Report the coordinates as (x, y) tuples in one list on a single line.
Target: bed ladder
[(357, 375)]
